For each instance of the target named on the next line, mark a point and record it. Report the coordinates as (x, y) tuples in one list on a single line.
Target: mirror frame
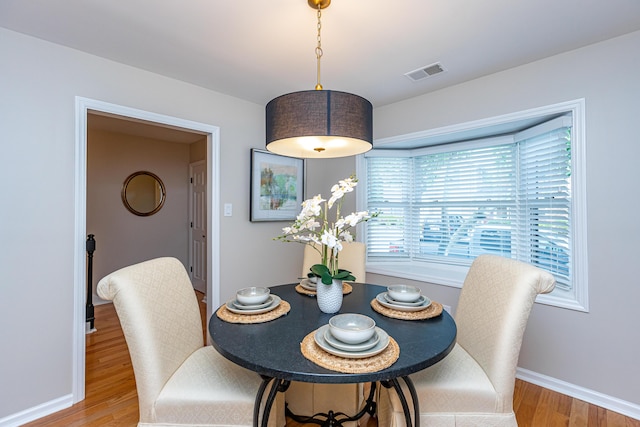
[(124, 193)]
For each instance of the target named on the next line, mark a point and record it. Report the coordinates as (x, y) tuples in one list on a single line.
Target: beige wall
[(598, 351), (123, 238), (198, 151), (40, 82)]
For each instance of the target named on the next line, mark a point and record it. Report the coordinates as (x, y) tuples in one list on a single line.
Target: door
[(198, 225)]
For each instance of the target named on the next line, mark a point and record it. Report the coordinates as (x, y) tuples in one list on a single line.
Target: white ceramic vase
[(329, 296)]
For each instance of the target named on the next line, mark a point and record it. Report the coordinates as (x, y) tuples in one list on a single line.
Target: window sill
[(453, 276)]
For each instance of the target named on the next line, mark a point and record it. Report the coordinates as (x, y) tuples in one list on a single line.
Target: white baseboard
[(36, 412), (614, 404)]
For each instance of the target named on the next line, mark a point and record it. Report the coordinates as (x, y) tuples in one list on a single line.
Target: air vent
[(424, 72)]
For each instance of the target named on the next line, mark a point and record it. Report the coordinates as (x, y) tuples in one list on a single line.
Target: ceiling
[(257, 51)]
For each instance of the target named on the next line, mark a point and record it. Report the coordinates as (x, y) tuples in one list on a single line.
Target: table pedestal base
[(336, 418), (331, 418), (278, 386)]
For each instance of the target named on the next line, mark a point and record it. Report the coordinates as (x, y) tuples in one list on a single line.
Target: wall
[(123, 238), (39, 84), (598, 350), (198, 151)]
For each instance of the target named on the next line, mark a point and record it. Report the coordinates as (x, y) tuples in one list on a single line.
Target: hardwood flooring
[(111, 398)]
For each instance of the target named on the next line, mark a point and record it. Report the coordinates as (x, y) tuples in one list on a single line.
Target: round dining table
[(273, 349)]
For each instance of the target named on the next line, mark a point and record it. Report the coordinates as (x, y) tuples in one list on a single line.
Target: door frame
[(82, 107)]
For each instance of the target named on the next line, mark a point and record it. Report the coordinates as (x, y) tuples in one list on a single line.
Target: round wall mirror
[(143, 193)]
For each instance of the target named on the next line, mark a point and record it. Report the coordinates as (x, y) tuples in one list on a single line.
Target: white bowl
[(404, 293), (352, 328), (252, 295)]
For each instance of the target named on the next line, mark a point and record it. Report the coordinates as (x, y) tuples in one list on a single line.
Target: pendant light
[(319, 123)]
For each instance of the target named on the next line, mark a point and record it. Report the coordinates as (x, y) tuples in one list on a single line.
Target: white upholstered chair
[(180, 381), (473, 385), (308, 398)]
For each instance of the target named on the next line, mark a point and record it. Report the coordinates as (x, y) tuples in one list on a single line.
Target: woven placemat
[(376, 363), (434, 310), (231, 317), (346, 289)]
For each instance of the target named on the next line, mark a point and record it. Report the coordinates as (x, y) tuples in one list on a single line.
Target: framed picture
[(277, 186)]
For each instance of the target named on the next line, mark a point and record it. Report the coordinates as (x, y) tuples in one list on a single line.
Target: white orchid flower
[(312, 224), (312, 207), (346, 236), (289, 230), (329, 239), (340, 189), (335, 196)]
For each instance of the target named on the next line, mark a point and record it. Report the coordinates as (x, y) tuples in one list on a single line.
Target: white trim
[(79, 259), (579, 215), (611, 403), (213, 224), (42, 410), (477, 124), (82, 106)]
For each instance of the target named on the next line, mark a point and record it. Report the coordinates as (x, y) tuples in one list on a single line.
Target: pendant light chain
[(319, 47)]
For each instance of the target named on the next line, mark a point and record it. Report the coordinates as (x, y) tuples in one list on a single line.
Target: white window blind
[(389, 192), (452, 203)]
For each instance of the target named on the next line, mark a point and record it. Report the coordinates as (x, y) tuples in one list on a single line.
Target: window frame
[(453, 275)]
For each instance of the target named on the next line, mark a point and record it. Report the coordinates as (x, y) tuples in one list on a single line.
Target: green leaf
[(319, 269), (343, 275), (326, 278)]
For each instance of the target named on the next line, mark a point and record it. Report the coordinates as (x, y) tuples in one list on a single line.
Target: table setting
[(255, 304), (405, 302), (309, 286), (350, 343)]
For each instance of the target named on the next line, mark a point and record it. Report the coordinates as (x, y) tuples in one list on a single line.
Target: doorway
[(84, 107)]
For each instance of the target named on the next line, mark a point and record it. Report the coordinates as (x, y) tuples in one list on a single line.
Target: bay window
[(510, 195)]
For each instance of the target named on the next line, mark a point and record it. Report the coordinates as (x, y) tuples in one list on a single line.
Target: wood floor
[(111, 398)]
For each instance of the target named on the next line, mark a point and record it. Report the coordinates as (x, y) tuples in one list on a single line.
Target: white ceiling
[(259, 50)]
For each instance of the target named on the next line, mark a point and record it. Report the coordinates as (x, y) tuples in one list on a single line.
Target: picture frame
[(277, 186)]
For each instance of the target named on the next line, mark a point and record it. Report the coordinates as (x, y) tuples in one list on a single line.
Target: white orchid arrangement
[(312, 227)]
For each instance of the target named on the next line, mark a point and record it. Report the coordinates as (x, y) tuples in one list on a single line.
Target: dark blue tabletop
[(272, 348)]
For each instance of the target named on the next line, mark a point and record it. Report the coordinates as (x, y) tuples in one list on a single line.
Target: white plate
[(274, 303), (378, 348), (245, 307), (420, 301), (366, 345), (381, 299), (308, 285)]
